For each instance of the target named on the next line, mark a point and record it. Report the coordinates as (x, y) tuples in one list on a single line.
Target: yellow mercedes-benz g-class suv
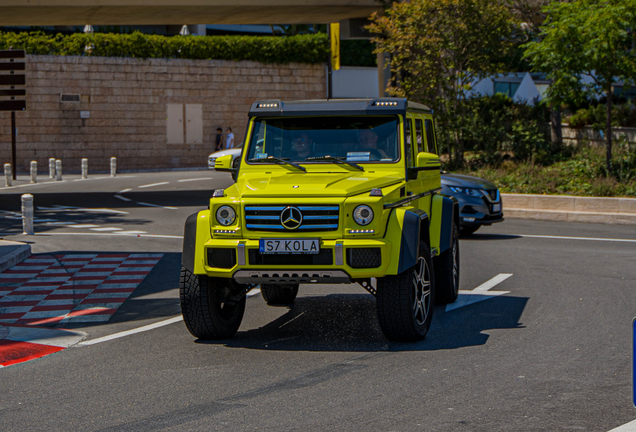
[(327, 192)]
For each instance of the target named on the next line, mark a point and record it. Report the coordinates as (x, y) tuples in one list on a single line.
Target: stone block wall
[(127, 100)]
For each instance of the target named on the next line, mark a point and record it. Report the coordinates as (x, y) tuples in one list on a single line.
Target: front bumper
[(340, 261)]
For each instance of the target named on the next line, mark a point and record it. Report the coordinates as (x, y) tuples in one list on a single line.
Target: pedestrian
[(219, 139), (229, 140)]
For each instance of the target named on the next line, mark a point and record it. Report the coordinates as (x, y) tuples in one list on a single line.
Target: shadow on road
[(349, 322), (52, 210)]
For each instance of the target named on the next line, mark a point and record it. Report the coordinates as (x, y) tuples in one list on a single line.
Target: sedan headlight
[(363, 215), (225, 215), (466, 191)]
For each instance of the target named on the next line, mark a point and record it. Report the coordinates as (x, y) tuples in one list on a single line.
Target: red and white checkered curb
[(58, 289), (19, 344)]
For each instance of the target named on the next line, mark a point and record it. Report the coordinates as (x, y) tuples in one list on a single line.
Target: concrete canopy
[(179, 12)]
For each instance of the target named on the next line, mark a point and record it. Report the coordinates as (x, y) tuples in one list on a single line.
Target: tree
[(439, 49), (592, 38)]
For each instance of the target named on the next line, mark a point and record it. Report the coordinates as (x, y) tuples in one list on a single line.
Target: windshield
[(310, 139)]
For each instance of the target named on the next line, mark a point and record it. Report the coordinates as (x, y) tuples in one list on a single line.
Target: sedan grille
[(269, 217)]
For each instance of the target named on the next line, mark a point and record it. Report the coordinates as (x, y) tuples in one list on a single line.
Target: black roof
[(332, 107)]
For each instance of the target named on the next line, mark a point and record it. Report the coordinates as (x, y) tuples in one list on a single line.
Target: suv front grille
[(491, 194), (314, 218), (325, 257)]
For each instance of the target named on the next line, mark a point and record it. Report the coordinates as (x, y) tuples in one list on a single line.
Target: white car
[(235, 152)]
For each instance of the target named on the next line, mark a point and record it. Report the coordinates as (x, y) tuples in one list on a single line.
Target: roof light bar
[(386, 103), (267, 105)]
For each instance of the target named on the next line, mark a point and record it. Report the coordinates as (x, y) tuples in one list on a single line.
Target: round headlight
[(225, 215), (363, 215)]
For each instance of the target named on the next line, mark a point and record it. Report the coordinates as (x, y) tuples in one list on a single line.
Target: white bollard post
[(58, 170), (84, 168), (51, 168), (34, 171), (27, 214), (7, 174), (113, 166)]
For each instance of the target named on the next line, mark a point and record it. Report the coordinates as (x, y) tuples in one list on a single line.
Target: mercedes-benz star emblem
[(291, 218)]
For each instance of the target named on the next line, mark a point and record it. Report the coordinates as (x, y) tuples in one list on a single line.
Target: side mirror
[(224, 164), (424, 162)]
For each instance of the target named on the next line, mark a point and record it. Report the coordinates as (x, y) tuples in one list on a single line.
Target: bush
[(595, 116), (311, 49)]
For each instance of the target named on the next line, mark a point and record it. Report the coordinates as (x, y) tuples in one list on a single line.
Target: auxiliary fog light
[(363, 215), (225, 215), (469, 219)]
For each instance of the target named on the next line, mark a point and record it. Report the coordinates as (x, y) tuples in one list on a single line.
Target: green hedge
[(311, 49)]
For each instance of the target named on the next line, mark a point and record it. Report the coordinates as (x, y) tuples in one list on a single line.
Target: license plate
[(496, 208), (289, 246)]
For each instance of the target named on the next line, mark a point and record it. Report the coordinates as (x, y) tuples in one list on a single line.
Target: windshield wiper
[(280, 161), (333, 159)]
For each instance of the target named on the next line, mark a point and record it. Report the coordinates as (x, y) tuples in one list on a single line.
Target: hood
[(461, 180), (313, 184)]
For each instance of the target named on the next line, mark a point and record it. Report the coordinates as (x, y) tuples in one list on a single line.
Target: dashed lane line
[(194, 179), (156, 205), (576, 238), (124, 190), (153, 184)]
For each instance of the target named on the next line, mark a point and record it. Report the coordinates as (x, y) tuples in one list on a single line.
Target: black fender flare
[(415, 228), (189, 242)]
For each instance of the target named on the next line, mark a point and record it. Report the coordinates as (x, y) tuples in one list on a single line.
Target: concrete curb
[(620, 211), (12, 253)]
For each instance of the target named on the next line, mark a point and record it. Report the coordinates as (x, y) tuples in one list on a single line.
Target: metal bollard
[(51, 168), (7, 174), (113, 166), (84, 168), (34, 172), (58, 170), (27, 214)]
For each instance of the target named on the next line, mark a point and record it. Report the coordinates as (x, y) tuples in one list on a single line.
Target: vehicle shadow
[(348, 322)]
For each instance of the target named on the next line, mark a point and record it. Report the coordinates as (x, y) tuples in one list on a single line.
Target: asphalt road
[(554, 353)]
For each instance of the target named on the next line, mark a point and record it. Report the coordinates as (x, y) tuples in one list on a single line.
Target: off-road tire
[(468, 230), (204, 315), (236, 162), (279, 294), (398, 313), (447, 271)]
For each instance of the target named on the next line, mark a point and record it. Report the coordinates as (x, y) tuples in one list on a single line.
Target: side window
[(430, 136), (408, 133), (418, 133)]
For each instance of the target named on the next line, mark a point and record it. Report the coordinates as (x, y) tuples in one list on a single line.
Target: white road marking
[(627, 427), (133, 232), (120, 234), (94, 210), (107, 229), (124, 190), (194, 179), (480, 293), (83, 226), (153, 184), (254, 292), (122, 198), (155, 205), (576, 238), (131, 332), (60, 223)]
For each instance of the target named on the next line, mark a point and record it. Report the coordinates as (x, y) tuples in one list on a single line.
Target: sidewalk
[(12, 253), (620, 211)]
